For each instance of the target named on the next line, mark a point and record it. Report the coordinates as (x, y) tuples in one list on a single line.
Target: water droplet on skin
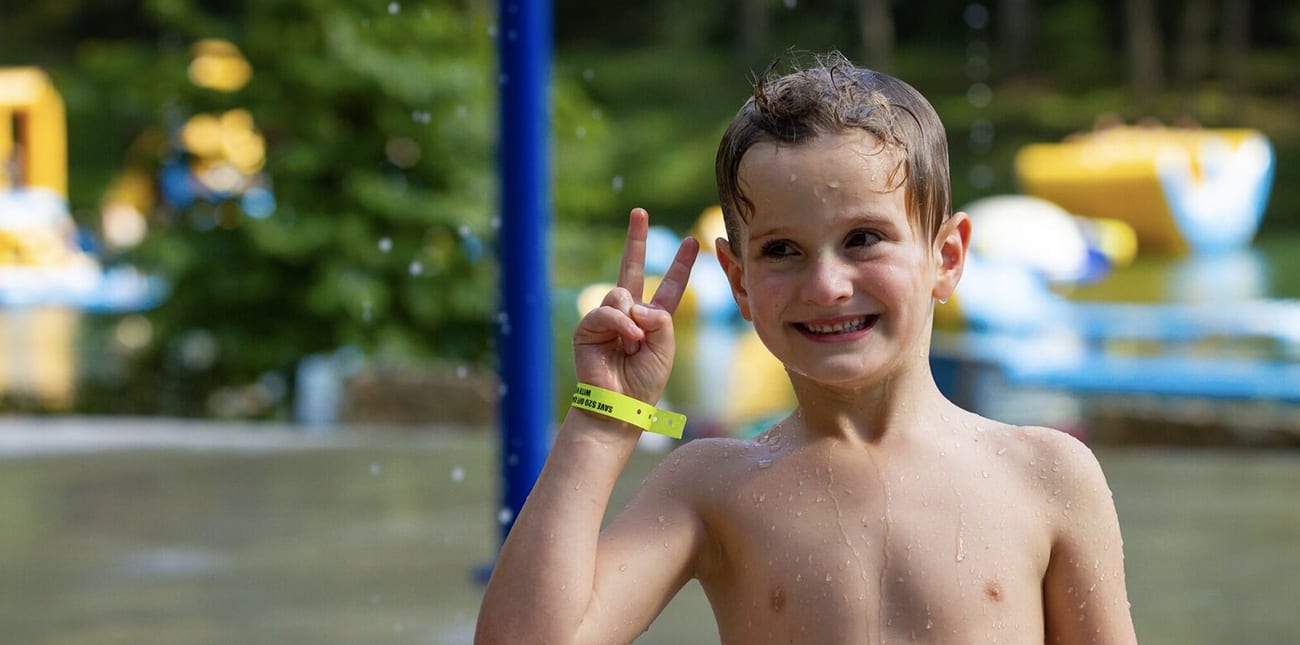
[(661, 519), (764, 463), (1002, 451), (828, 577), (985, 473), (622, 568), (458, 474)]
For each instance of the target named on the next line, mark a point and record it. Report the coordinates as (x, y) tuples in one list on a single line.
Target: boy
[(878, 511)]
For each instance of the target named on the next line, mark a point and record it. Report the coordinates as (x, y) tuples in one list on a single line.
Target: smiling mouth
[(839, 327)]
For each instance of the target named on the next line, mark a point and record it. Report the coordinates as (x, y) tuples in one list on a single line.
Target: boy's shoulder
[(1054, 462), (1040, 441), (708, 464)]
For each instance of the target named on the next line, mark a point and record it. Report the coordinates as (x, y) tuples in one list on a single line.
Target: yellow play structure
[(1182, 190), (33, 132), (36, 349)]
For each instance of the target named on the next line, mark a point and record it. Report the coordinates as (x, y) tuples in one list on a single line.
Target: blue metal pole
[(523, 333)]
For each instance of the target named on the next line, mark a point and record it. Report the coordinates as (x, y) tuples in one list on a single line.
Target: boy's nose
[(829, 281)]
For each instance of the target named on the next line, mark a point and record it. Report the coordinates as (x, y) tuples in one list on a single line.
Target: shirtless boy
[(878, 511)]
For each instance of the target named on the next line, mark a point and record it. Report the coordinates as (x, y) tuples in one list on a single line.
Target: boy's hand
[(625, 345)]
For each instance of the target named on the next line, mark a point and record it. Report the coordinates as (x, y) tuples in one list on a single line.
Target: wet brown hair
[(829, 97)]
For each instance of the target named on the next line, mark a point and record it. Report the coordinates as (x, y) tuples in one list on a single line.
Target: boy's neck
[(895, 407)]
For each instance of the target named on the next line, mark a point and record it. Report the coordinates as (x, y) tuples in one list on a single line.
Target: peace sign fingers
[(631, 272), (671, 288)]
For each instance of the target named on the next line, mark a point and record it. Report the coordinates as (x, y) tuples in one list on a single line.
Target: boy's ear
[(951, 248), (735, 275)]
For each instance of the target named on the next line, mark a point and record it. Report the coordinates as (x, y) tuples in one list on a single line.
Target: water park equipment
[(1182, 190), (1192, 198), (523, 343), (47, 276)]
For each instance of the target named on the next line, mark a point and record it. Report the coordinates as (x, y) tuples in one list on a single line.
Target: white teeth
[(839, 327)]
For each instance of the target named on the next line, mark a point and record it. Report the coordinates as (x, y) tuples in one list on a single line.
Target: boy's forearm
[(542, 581)]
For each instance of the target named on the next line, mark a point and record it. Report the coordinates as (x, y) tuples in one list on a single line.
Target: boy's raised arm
[(1085, 599), (556, 579)]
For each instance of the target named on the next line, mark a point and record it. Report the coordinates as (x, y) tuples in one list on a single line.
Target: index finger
[(671, 288), (631, 272)]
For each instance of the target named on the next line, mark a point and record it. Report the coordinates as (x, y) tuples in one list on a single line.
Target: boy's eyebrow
[(857, 218)]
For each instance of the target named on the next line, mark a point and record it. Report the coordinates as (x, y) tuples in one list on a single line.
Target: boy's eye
[(861, 237), (776, 249)]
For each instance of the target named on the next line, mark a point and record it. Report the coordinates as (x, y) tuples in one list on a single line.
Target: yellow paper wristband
[(629, 410)]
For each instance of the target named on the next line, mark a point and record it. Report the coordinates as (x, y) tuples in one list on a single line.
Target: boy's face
[(830, 268)]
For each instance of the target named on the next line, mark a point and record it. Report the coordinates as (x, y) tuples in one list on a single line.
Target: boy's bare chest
[(844, 549)]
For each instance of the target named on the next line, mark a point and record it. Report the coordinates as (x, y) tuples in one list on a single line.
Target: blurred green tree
[(379, 122)]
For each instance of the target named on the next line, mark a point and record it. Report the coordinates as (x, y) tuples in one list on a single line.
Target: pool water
[(152, 532)]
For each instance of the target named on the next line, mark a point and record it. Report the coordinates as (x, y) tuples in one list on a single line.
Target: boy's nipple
[(993, 590)]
